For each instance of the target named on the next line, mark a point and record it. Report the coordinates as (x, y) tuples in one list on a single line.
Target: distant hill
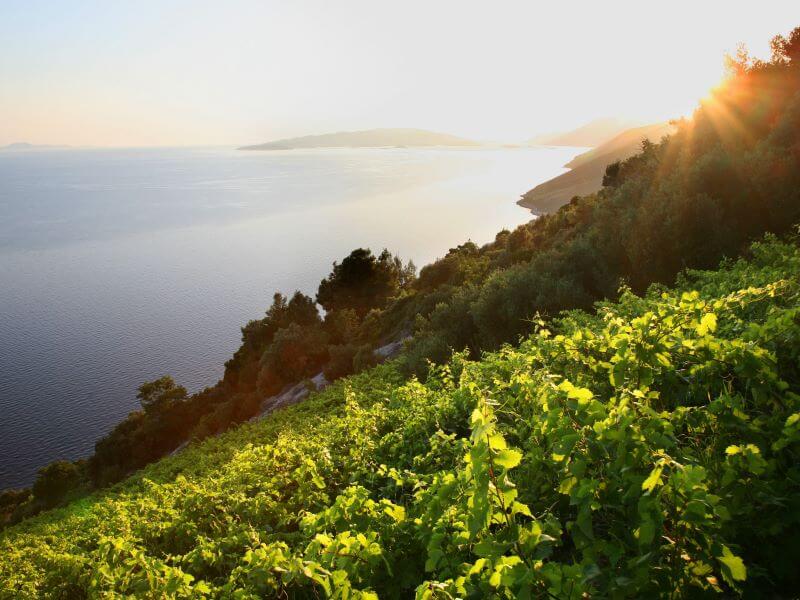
[(594, 133), (27, 146), (371, 138), (587, 169)]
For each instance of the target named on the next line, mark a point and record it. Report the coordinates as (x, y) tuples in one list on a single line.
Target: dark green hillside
[(648, 448)]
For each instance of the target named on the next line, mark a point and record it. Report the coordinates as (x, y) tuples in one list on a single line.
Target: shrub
[(54, 481)]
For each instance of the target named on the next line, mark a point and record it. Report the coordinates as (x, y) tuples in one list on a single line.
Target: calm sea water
[(118, 266)]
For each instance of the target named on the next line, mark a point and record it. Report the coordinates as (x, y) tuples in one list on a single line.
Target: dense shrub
[(54, 481), (340, 363), (295, 353), (12, 505)]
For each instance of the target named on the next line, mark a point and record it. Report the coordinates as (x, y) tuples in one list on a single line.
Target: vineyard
[(647, 449)]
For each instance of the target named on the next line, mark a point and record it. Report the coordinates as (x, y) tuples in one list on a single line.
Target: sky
[(189, 72)]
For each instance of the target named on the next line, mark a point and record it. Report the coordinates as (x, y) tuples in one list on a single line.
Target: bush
[(11, 505), (340, 362), (295, 353), (54, 481)]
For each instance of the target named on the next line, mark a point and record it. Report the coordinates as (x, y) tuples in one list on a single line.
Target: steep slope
[(592, 134), (587, 169), (647, 448), (722, 180), (727, 176), (372, 138), (624, 145)]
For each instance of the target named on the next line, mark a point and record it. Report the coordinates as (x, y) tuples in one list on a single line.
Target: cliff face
[(587, 169)]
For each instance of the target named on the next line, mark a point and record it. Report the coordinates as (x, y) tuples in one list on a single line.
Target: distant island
[(27, 146), (587, 169), (371, 138), (592, 134)]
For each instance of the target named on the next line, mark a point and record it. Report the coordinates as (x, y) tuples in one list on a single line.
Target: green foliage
[(346, 359), (10, 500), (158, 394), (342, 326), (257, 336), (295, 352), (726, 177), (54, 481), (280, 348), (363, 281), (647, 449), (735, 164)]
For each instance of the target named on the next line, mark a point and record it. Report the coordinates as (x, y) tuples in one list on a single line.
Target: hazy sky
[(176, 72)]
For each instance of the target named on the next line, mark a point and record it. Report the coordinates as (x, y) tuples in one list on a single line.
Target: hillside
[(591, 134), (372, 138), (624, 145), (702, 194), (586, 170), (621, 454), (643, 442)]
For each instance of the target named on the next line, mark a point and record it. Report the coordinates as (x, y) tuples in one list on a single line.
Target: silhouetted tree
[(54, 481), (611, 176), (363, 281), (156, 395), (786, 49)]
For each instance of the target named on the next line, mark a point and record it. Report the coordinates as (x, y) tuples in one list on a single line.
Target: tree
[(11, 505), (294, 353), (405, 273), (54, 481), (342, 326), (160, 393), (363, 281), (786, 49), (257, 335), (611, 177), (299, 309)]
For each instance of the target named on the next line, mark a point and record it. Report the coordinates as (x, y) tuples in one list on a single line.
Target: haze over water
[(118, 266)]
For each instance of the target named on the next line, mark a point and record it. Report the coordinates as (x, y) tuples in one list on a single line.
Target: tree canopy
[(156, 394), (363, 281)]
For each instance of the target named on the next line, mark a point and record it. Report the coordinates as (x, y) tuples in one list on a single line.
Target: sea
[(118, 266)]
